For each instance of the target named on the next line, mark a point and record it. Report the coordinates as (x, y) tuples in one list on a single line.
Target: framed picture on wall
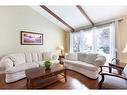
[(31, 38)]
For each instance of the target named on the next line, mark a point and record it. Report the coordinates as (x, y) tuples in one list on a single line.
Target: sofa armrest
[(100, 61), (6, 63)]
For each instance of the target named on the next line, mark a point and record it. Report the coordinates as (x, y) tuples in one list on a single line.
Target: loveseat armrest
[(100, 60)]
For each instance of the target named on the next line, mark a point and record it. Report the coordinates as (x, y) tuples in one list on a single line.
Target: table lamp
[(125, 49), (61, 48)]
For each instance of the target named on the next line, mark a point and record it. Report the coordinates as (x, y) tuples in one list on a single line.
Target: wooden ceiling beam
[(84, 13), (57, 17)]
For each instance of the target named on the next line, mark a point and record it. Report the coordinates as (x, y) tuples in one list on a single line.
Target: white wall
[(14, 19), (122, 39)]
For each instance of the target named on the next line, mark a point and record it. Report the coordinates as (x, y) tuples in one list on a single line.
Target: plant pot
[(47, 67), (47, 64)]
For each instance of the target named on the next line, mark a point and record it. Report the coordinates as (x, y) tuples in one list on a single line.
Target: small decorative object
[(48, 63), (30, 38)]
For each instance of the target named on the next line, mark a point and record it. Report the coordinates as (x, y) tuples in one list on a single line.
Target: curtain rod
[(97, 25), (109, 22)]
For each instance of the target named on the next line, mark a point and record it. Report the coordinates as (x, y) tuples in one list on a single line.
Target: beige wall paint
[(122, 39), (22, 18), (67, 42)]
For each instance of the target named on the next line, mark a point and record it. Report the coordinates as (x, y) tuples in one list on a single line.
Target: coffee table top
[(40, 71)]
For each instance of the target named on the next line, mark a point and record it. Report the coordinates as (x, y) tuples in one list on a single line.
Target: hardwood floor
[(74, 81)]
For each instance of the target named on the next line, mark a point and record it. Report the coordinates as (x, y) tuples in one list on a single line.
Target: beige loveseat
[(85, 63), (16, 64)]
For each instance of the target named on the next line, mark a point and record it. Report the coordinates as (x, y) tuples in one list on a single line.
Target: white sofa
[(16, 64), (85, 63)]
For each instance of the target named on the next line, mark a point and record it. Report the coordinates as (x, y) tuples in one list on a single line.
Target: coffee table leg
[(65, 75), (110, 70), (28, 83)]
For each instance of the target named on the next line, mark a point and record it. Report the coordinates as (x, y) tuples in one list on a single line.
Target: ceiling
[(71, 17)]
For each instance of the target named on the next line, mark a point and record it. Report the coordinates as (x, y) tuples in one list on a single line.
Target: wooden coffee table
[(35, 74)]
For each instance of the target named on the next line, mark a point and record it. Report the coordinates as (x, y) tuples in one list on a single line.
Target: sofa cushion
[(91, 57), (40, 56), (81, 64), (82, 57), (87, 57), (17, 58), (34, 57), (112, 82), (22, 67), (28, 57), (71, 56), (41, 63)]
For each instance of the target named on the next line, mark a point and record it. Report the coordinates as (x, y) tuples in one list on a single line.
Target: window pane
[(103, 42), (87, 41), (76, 42)]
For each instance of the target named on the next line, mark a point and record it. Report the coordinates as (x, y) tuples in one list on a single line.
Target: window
[(76, 42), (86, 41), (97, 40)]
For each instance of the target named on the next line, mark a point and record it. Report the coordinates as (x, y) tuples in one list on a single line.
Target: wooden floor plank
[(74, 81)]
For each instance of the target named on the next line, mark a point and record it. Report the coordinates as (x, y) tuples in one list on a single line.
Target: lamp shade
[(61, 47), (125, 49)]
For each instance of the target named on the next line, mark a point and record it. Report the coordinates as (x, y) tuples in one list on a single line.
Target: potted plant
[(48, 63)]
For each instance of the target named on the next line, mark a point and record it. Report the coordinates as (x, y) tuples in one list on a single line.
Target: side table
[(120, 66)]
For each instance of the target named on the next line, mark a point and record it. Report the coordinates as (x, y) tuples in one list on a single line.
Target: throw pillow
[(71, 56), (91, 57)]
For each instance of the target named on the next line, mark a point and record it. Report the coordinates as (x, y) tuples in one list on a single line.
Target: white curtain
[(81, 40), (117, 36), (113, 41), (71, 42), (94, 30)]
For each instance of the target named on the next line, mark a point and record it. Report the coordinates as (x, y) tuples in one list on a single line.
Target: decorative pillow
[(40, 56), (100, 60), (82, 57), (71, 56), (91, 57), (47, 55), (55, 56)]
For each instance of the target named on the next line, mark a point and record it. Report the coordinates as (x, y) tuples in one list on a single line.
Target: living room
[(93, 35)]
